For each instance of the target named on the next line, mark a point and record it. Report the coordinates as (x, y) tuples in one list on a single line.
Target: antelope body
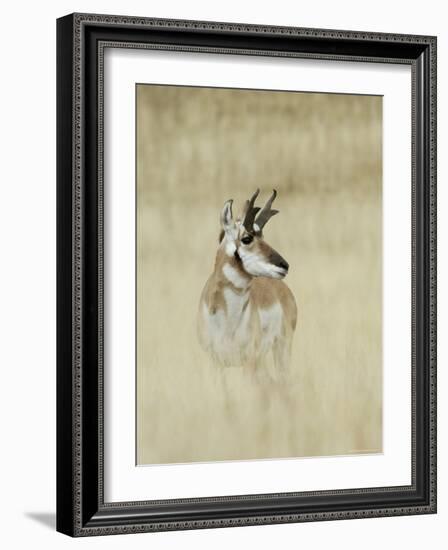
[(246, 311)]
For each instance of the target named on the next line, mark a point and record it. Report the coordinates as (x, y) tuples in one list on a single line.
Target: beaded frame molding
[(81, 509)]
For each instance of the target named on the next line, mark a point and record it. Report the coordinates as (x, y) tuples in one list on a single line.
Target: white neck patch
[(232, 275)]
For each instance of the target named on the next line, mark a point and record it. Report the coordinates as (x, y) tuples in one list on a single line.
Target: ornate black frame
[(81, 39)]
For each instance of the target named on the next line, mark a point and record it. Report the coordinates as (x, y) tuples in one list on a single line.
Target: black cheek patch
[(237, 256)]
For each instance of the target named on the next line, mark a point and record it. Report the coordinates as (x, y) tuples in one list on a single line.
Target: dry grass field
[(197, 148)]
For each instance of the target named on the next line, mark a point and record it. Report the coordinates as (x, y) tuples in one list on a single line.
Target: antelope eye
[(247, 239)]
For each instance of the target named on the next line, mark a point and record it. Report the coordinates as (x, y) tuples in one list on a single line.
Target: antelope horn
[(266, 214), (250, 211)]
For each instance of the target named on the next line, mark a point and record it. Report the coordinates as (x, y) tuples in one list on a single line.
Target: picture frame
[(81, 506)]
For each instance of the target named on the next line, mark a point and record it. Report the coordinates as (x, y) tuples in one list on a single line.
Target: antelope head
[(243, 238)]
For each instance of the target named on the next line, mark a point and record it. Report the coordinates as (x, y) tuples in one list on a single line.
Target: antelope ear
[(227, 222)]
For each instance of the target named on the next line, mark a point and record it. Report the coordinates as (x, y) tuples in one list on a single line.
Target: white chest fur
[(240, 332)]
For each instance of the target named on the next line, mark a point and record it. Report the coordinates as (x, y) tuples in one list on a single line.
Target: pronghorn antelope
[(246, 310)]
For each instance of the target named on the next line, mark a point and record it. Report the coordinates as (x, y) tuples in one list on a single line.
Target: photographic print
[(259, 274), (246, 282)]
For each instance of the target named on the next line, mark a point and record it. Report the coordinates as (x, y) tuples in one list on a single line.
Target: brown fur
[(213, 293), (265, 292)]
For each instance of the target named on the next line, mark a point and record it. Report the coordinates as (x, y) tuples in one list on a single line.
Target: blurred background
[(198, 147)]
